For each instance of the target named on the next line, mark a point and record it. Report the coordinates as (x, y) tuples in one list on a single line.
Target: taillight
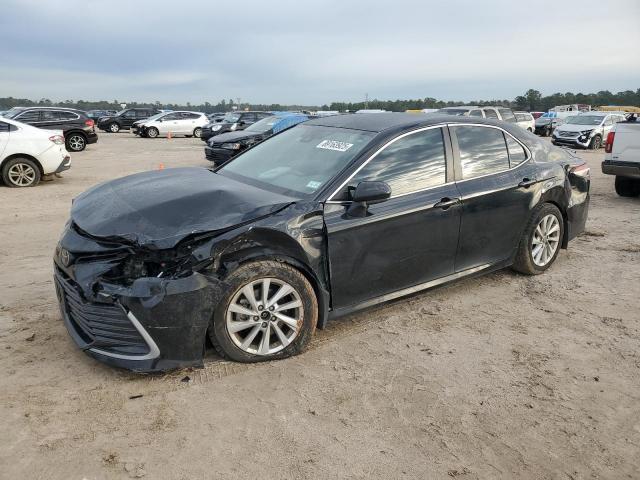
[(608, 146), (89, 123), (57, 139)]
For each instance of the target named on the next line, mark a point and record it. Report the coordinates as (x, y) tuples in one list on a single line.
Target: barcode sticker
[(334, 145)]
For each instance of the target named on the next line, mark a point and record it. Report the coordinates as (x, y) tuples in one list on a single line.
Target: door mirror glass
[(371, 192)]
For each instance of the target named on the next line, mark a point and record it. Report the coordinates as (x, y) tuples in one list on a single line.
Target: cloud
[(313, 53)]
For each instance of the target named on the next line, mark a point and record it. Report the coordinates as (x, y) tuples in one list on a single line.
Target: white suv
[(188, 124), (28, 153), (587, 129)]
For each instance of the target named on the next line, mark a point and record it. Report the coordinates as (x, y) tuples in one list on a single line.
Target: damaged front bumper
[(150, 324)]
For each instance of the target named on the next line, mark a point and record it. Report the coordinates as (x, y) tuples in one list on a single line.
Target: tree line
[(532, 100)]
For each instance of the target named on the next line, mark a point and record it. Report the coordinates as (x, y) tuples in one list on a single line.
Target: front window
[(584, 120), (411, 163), (298, 161)]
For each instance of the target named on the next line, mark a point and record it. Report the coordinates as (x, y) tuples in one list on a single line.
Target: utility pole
[(366, 101)]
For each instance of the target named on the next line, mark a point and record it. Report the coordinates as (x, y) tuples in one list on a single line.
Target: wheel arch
[(266, 244), (73, 131), (555, 196), (23, 155)]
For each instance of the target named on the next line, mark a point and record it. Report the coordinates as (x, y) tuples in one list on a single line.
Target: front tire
[(114, 127), (595, 143), (21, 172), (269, 312), (627, 187), (541, 240), (152, 132), (76, 142), (197, 132)]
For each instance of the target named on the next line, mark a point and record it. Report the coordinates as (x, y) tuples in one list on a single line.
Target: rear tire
[(197, 132), (627, 187), (114, 127), (541, 240), (238, 334), (152, 132), (76, 142), (21, 172)]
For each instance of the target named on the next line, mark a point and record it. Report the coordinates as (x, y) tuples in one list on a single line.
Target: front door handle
[(526, 183), (446, 203)]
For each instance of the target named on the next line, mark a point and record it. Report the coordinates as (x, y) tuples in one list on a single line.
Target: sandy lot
[(503, 376)]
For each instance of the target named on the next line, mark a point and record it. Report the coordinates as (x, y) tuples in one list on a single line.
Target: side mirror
[(365, 194), (371, 192)]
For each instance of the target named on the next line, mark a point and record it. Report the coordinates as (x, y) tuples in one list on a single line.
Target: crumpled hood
[(157, 209)]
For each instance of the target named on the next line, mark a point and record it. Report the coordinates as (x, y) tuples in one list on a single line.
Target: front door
[(405, 241)]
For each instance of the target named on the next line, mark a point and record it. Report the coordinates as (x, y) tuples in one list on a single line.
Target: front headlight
[(215, 128), (234, 126), (232, 146), (586, 132)]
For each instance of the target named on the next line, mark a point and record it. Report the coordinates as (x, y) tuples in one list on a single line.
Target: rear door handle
[(446, 203), (526, 183)]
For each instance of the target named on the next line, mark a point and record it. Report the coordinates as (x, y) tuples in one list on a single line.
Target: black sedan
[(326, 218), (225, 146)]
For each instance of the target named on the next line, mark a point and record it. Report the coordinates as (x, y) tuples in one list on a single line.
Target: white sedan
[(28, 153), (188, 124)]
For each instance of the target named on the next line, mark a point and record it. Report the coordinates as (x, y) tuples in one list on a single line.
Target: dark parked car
[(79, 130), (124, 119), (222, 147), (95, 115), (389, 204), (231, 122)]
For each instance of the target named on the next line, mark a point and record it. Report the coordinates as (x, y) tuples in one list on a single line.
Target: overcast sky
[(315, 52)]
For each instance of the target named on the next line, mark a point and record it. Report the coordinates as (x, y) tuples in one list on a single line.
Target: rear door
[(405, 241), (496, 181)]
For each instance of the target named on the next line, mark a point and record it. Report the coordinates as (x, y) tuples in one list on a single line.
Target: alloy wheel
[(22, 174), (114, 127), (264, 316), (197, 132), (76, 143), (546, 239)]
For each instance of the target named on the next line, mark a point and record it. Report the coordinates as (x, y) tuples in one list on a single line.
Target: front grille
[(102, 326), (568, 134)]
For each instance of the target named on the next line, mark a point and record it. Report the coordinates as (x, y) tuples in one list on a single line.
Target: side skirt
[(471, 272)]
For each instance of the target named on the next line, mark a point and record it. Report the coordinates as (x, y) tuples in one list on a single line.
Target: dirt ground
[(503, 376)]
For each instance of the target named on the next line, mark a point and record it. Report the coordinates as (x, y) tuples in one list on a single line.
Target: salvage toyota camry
[(329, 217)]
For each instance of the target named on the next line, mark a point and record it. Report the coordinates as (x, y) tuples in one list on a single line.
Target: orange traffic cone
[(169, 135), (161, 166)]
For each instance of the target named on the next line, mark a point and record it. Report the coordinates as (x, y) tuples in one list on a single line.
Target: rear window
[(482, 151)]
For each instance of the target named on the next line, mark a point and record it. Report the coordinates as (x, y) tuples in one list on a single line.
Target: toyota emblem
[(65, 257)]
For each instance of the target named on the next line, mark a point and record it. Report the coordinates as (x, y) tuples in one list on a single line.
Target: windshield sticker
[(334, 145), (313, 184)]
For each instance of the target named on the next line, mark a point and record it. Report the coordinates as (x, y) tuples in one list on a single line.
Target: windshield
[(231, 118), (155, 117), (454, 111), (585, 120), (298, 161), (263, 125), (12, 113)]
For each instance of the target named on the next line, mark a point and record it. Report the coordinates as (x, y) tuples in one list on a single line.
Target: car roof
[(381, 122), (66, 109)]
